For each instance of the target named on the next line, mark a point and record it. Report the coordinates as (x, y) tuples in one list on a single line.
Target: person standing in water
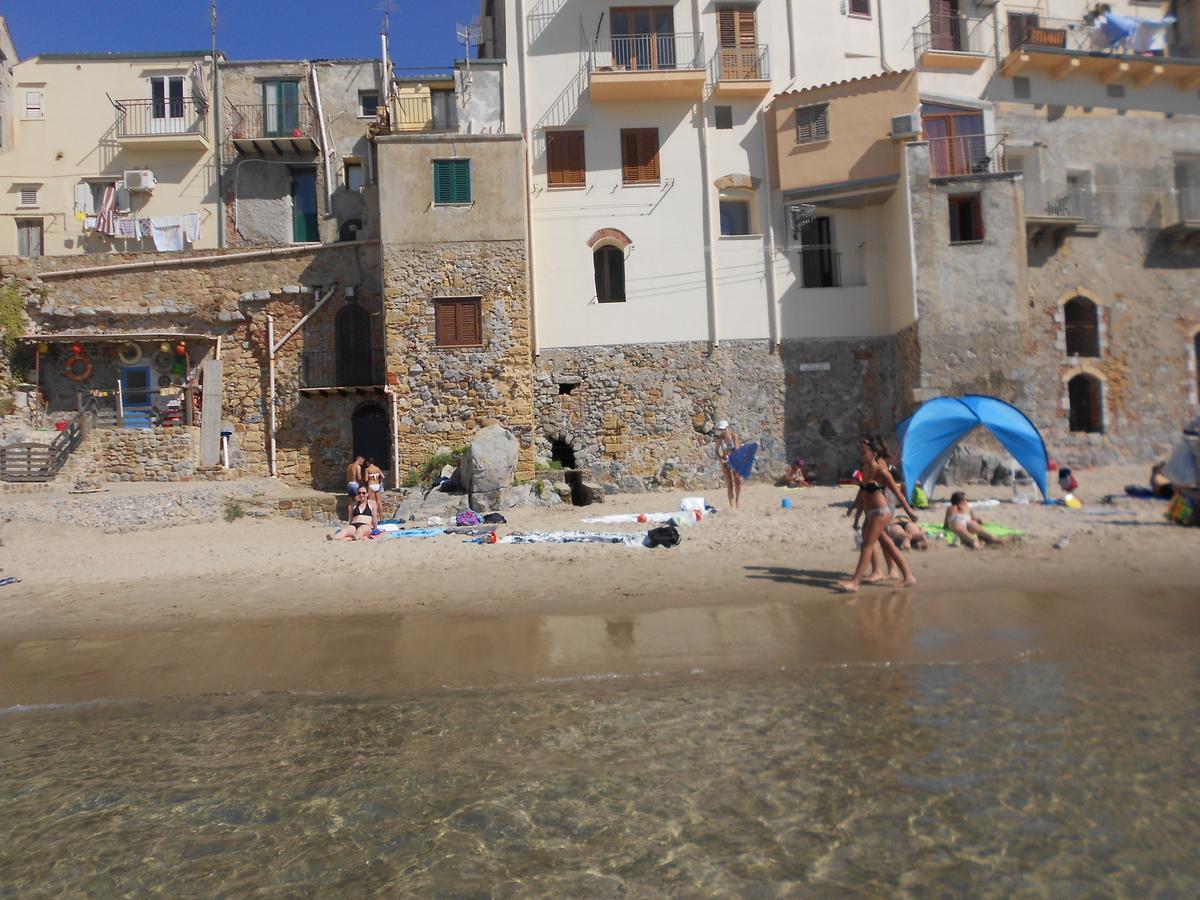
[(727, 441), (877, 480)]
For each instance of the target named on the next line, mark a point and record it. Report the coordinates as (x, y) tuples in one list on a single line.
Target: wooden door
[(737, 37), (944, 25)]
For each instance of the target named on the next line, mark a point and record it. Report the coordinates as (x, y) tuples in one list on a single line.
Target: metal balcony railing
[(741, 64), (653, 52), (173, 115), (273, 120), (956, 33), (966, 154), (331, 369), (820, 266), (1059, 200)]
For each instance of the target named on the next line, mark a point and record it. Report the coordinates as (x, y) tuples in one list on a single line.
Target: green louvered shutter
[(451, 181)]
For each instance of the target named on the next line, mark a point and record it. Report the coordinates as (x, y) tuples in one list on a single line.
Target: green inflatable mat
[(941, 531)]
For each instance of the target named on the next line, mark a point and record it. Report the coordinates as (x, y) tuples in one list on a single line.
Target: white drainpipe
[(271, 394), (395, 437), (767, 210), (710, 273), (326, 150), (527, 132)]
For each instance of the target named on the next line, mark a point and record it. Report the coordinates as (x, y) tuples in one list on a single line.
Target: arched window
[(352, 346), (1086, 403), (609, 263), (1083, 332)]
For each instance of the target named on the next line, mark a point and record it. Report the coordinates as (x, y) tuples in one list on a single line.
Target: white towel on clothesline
[(191, 227), (168, 233)]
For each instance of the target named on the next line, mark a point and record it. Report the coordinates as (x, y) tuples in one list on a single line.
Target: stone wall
[(444, 395), (643, 415), (152, 454)]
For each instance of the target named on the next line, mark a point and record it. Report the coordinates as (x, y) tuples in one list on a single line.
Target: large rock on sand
[(489, 467)]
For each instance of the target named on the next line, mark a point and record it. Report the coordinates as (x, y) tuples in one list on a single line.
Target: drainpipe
[(271, 394), (217, 150), (522, 60), (791, 26), (769, 217), (395, 436), (883, 63), (325, 148), (710, 274)]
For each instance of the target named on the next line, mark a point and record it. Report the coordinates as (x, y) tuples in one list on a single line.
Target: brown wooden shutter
[(445, 323), (747, 31), (576, 165), (727, 22), (555, 164), (630, 168), (564, 159), (648, 154), (470, 326)]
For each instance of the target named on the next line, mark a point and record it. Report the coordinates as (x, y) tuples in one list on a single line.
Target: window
[(304, 206), (609, 263), (812, 124), (723, 116), (860, 8), (1086, 404), (166, 97), (966, 219), (281, 108), (564, 159), (368, 104), (354, 174), (352, 347), (818, 260), (1081, 324), (643, 37), (451, 182), (639, 155), (29, 196), (33, 104), (737, 40), (445, 110), (956, 142), (458, 322), (735, 216), (1022, 87), (29, 238)]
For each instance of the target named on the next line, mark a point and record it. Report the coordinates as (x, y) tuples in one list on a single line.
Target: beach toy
[(1072, 502), (699, 515), (786, 502), (642, 517)]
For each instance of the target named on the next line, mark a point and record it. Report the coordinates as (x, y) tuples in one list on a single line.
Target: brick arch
[(610, 236)]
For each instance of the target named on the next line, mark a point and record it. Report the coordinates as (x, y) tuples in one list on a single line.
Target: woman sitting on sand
[(968, 529), (873, 454), (1160, 484), (363, 520), (906, 533)]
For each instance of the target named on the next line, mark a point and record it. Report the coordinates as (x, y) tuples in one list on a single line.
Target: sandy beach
[(81, 580)]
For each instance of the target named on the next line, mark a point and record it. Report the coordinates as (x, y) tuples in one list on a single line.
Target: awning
[(115, 337)]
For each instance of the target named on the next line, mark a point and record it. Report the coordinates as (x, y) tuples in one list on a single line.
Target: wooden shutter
[(443, 181), (736, 27), (458, 322), (630, 169), (564, 159), (648, 154), (812, 124)]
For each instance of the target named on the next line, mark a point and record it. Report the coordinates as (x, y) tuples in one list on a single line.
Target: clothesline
[(169, 233)]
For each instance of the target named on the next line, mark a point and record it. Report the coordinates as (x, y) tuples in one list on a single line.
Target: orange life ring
[(81, 374)]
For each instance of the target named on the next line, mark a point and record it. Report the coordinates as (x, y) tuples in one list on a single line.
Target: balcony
[(1072, 47), (1056, 208), (649, 67), (1183, 211), (957, 42), (172, 123), (274, 130), (741, 71), (966, 155), (417, 113), (326, 371)]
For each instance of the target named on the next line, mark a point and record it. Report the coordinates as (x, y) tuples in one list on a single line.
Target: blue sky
[(422, 33)]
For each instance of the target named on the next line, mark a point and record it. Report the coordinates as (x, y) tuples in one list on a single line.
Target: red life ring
[(75, 374)]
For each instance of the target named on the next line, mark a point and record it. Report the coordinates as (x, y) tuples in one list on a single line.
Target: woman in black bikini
[(873, 453), (362, 519)]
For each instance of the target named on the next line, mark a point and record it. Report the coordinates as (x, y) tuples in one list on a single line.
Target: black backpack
[(662, 536)]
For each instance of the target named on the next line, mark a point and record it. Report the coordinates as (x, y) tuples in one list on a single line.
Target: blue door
[(136, 396)]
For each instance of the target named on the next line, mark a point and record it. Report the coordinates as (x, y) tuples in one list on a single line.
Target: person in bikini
[(362, 520), (873, 456), (961, 523), (727, 441), (373, 481)]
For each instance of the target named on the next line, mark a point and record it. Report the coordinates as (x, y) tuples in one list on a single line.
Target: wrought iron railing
[(741, 64), (1059, 200), (171, 115), (652, 52), (1029, 29), (966, 154), (820, 266), (272, 120), (331, 369), (956, 33)]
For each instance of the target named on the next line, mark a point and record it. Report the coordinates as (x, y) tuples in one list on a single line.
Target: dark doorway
[(352, 346), (372, 439), (304, 206), (1082, 327), (561, 452), (1086, 400)]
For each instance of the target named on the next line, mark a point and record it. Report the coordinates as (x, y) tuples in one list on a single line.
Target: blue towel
[(741, 460)]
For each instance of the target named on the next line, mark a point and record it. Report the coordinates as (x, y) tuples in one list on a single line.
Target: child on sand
[(960, 522)]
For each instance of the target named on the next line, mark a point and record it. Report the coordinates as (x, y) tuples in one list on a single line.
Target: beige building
[(110, 152)]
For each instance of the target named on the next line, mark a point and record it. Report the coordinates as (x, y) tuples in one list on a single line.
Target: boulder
[(489, 467)]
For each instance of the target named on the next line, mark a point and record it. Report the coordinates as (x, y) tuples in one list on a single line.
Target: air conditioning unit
[(905, 127), (140, 180)]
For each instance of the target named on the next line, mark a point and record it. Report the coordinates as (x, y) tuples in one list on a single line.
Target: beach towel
[(416, 532), (636, 539), (616, 518), (741, 460), (9, 580), (943, 533)]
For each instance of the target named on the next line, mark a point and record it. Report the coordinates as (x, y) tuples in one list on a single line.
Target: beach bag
[(467, 517), (1185, 509), (495, 519), (920, 500), (663, 536)]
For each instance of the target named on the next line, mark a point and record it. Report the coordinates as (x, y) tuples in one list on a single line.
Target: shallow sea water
[(1027, 776)]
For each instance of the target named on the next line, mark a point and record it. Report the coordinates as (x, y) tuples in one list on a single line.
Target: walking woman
[(877, 480), (727, 441)]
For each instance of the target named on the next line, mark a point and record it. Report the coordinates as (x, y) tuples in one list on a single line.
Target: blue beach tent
[(929, 436)]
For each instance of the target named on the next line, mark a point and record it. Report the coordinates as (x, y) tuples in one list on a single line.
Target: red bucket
[(60, 426)]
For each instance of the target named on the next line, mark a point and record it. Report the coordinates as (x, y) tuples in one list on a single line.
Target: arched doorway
[(352, 346), (372, 437), (1082, 327)]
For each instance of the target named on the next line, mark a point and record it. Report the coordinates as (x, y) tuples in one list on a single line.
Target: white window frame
[(745, 196), (378, 103), (349, 163), (34, 112), (22, 190)]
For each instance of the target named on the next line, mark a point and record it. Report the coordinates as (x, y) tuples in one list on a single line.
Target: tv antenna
[(469, 36), (387, 7)]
